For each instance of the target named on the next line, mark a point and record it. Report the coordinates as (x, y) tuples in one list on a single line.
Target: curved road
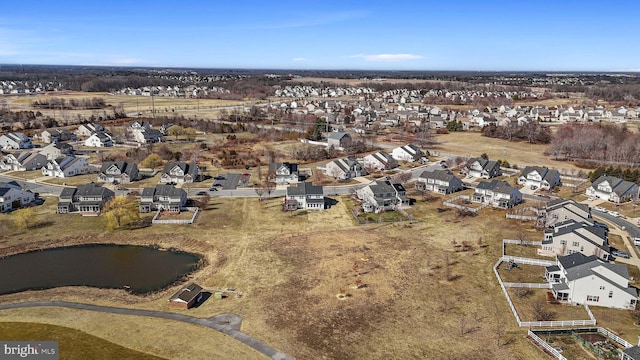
[(228, 324)]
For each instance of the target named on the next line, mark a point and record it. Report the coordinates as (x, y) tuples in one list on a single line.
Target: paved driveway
[(228, 324)]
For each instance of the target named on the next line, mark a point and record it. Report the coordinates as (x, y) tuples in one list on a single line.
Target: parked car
[(601, 225), (200, 193), (614, 213), (219, 177), (591, 198), (620, 253), (600, 208), (636, 241), (213, 189), (217, 184)]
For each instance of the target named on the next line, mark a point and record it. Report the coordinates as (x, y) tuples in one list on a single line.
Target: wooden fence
[(450, 203), (517, 214), (195, 210)]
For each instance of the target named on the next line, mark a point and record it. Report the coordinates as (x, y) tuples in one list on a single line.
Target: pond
[(138, 269)]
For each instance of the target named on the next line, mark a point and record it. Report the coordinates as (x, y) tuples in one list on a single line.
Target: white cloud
[(299, 59), (387, 57)]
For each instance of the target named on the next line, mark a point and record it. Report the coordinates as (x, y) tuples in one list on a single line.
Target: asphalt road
[(228, 324), (631, 228), (43, 189)]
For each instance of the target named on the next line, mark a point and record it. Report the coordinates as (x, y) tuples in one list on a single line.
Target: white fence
[(528, 285), (614, 337), (195, 210), (522, 242), (544, 344), (503, 286), (517, 214), (449, 203)]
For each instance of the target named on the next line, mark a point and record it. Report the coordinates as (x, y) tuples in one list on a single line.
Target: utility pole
[(153, 105)]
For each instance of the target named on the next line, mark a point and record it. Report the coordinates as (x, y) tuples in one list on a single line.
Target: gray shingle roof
[(305, 188)]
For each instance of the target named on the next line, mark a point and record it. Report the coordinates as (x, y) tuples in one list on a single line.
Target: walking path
[(228, 324)]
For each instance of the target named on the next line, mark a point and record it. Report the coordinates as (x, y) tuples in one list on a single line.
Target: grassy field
[(73, 344)]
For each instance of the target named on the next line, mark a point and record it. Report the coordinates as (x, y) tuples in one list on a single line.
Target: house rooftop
[(187, 293)]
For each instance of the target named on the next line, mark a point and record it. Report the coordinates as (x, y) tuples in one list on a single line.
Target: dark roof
[(187, 293), (575, 259), (162, 190), (187, 168), (125, 167), (305, 188), (274, 166), (381, 187), (498, 186), (92, 189), (438, 174), (618, 185), (338, 135), (633, 352)]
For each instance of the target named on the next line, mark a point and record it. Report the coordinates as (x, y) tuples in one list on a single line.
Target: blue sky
[(553, 35)]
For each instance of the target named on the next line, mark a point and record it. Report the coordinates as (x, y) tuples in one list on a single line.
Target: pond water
[(138, 269)]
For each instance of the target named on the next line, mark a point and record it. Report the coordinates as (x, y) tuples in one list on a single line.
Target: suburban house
[(481, 168), (66, 166), (50, 136), (379, 161), (408, 153), (344, 169), (497, 193), (561, 210), (187, 297), (162, 197), (23, 161), (283, 173), (121, 172), (538, 177), (613, 189), (86, 199), (142, 132), (441, 181), (382, 195), (15, 141), (178, 172), (568, 237), (578, 279), (100, 139), (56, 150), (86, 130), (304, 195), (339, 139), (13, 196)]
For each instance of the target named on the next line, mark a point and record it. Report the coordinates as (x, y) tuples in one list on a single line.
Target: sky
[(478, 35)]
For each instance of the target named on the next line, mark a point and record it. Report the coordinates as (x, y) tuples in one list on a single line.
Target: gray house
[(86, 199), (382, 196), (13, 196), (23, 161), (561, 210), (162, 197), (497, 193), (439, 181), (380, 160), (121, 172), (344, 169), (339, 139)]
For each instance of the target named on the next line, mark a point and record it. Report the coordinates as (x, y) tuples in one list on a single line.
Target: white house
[(13, 196), (100, 139), (304, 195), (380, 160), (497, 193), (283, 173), (86, 130), (482, 168), (408, 153), (179, 172), (578, 279), (561, 210), (66, 167), (23, 161), (613, 189), (539, 177), (14, 141)]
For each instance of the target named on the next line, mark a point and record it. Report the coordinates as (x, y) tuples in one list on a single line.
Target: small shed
[(187, 296)]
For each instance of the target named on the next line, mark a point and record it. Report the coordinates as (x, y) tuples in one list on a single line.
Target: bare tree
[(540, 313)]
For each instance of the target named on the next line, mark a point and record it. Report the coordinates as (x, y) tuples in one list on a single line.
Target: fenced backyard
[(185, 216), (463, 202), (527, 213), (570, 343)]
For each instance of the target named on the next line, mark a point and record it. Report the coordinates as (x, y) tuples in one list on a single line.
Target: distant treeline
[(71, 104), (532, 132), (603, 143), (628, 174)]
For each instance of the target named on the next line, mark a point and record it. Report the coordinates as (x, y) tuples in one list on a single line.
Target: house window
[(593, 298), (610, 294), (575, 244), (563, 242), (601, 287)]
